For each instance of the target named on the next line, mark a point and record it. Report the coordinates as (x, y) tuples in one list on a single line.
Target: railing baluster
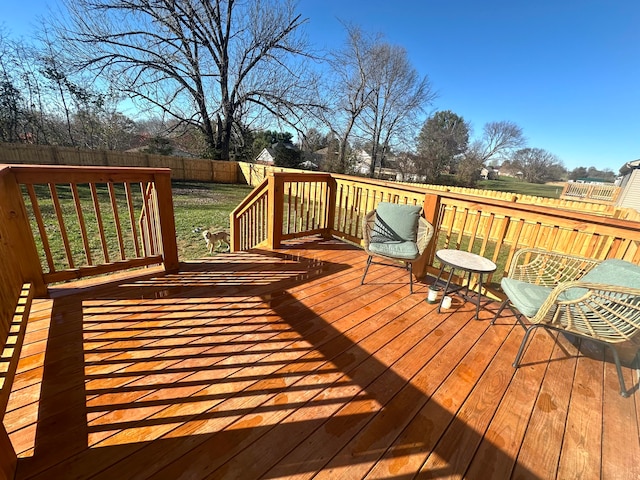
[(44, 237), (96, 209), (132, 222), (116, 219), (61, 225), (81, 222)]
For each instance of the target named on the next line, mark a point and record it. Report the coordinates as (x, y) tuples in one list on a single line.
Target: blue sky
[(566, 71)]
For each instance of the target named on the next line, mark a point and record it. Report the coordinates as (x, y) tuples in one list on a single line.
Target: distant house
[(362, 164), (266, 157), (489, 173), (630, 183), (288, 156)]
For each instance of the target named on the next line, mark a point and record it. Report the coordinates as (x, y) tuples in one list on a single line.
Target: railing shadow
[(223, 371)]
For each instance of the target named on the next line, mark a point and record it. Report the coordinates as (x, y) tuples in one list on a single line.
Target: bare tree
[(378, 94), (396, 96), (211, 64), (348, 94), (537, 165), (500, 138)]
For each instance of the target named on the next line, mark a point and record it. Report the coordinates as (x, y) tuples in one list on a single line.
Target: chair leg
[(516, 362), (410, 268), (616, 359), (504, 304), (366, 269)]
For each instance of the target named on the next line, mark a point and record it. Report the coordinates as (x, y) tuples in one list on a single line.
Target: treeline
[(215, 78)]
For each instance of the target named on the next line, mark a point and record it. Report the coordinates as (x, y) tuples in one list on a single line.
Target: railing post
[(431, 209), (332, 189), (8, 457), (275, 199), (234, 234), (15, 221), (167, 220)]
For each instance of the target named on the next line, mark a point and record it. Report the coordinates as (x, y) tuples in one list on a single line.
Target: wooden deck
[(281, 365)]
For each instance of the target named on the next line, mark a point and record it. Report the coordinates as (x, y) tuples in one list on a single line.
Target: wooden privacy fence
[(489, 227), (253, 174), (182, 168)]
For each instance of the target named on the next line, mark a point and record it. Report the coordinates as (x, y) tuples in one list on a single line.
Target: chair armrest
[(606, 312), (425, 233), (541, 267), (367, 227)]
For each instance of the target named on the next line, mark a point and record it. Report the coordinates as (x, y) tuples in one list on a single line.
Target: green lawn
[(199, 206), (510, 184)]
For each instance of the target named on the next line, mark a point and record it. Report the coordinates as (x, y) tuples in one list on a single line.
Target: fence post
[(167, 220), (431, 208), (332, 189), (275, 199)]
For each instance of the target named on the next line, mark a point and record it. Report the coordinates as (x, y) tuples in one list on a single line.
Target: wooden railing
[(284, 206), (91, 213), (490, 227), (249, 219), (589, 192)]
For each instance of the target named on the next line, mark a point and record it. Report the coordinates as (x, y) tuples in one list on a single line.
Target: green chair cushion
[(609, 272), (397, 223), (526, 297), (395, 249)]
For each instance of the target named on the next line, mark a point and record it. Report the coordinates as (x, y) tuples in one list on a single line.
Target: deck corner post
[(431, 209), (167, 221), (15, 220), (275, 207), (8, 457), (332, 189)]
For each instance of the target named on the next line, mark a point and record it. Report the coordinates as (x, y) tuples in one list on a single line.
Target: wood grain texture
[(279, 364)]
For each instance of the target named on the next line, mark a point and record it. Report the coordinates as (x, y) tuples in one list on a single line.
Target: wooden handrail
[(492, 227), (70, 213), (285, 205), (589, 192)]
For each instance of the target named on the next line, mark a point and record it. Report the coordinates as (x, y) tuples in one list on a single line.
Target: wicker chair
[(397, 233), (592, 299)]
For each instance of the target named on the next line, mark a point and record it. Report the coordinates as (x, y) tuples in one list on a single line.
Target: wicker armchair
[(385, 236), (592, 299)]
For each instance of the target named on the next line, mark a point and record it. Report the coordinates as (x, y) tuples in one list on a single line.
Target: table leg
[(445, 288), (439, 275), (479, 295)]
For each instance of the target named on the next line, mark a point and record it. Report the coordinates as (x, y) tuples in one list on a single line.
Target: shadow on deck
[(280, 364)]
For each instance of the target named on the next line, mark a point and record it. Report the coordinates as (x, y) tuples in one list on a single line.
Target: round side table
[(468, 262)]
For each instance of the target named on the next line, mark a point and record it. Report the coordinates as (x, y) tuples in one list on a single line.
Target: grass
[(510, 184), (197, 206), (200, 206)]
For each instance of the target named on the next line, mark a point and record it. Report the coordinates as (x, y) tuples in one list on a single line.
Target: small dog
[(215, 239)]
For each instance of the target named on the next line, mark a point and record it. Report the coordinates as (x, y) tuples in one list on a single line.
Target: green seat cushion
[(397, 223), (395, 249), (609, 272), (526, 297)]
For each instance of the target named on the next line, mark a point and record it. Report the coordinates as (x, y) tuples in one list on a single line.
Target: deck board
[(282, 365)]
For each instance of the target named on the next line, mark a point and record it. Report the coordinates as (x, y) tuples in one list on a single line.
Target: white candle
[(432, 295), (446, 302)]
